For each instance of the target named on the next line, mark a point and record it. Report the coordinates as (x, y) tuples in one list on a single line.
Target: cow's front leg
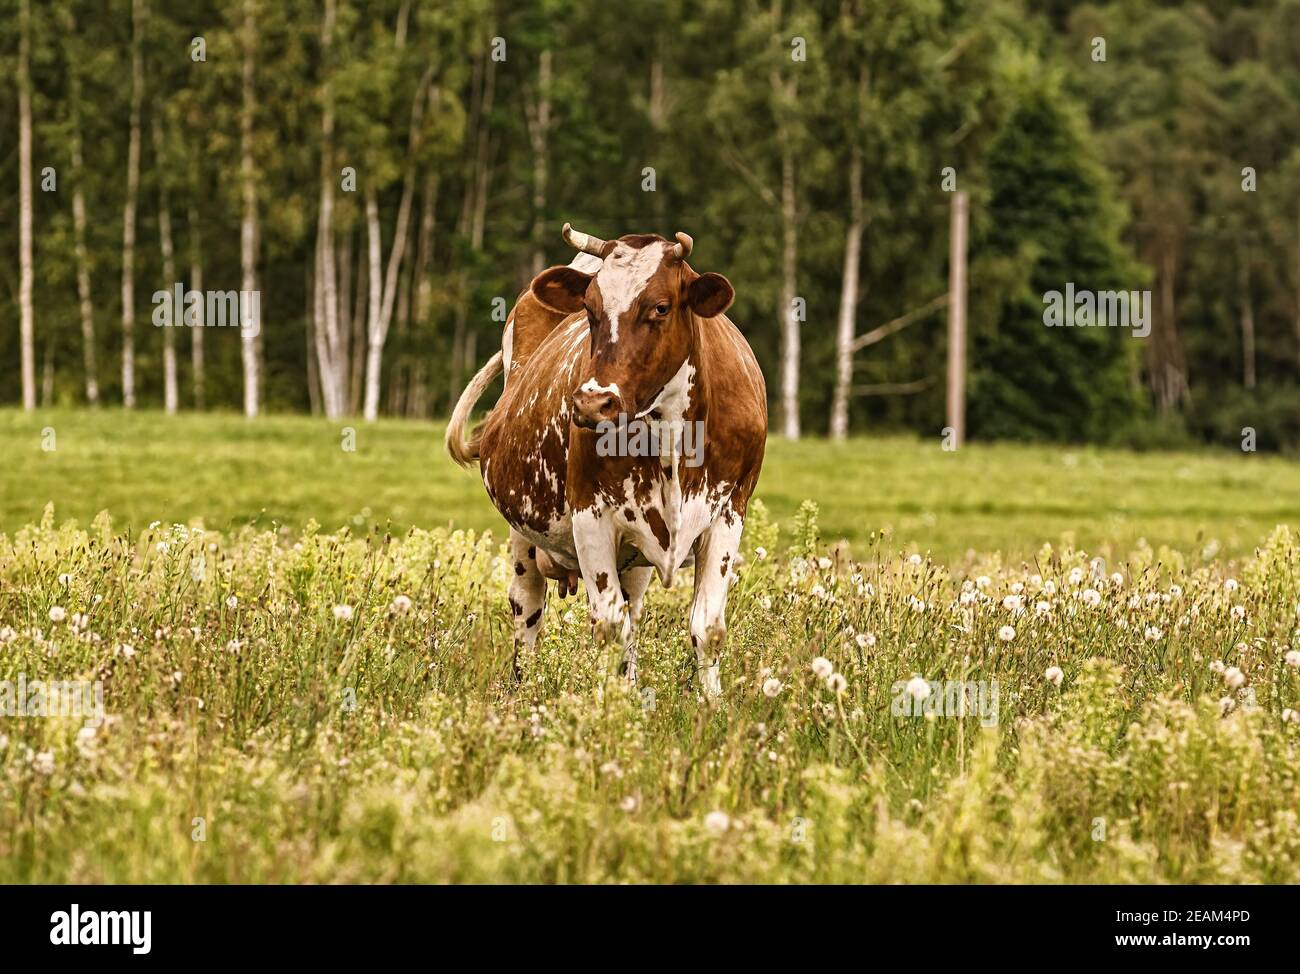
[(634, 581), (715, 554), (527, 595), (597, 548)]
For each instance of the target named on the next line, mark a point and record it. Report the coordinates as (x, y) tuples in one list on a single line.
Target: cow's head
[(642, 305)]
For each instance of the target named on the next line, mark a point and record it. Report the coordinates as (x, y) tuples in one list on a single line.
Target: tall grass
[(339, 708)]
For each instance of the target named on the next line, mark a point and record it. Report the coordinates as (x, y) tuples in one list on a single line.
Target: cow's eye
[(662, 309)]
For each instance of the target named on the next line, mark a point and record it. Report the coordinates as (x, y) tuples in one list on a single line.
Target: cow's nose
[(591, 408)]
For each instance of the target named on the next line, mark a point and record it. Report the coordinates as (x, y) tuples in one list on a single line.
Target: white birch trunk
[(26, 270), (844, 332), (249, 327), (128, 210)]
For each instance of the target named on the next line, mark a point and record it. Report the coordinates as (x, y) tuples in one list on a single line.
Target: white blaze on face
[(623, 276)]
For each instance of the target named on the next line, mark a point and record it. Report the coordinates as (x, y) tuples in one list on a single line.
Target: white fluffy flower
[(771, 687), (1231, 585), (401, 604), (1233, 677), (1013, 603), (1006, 634), (1153, 633), (918, 688), (1091, 597), (836, 683), (1054, 675), (1237, 613), (343, 613), (1292, 658), (822, 667), (57, 613), (717, 822)]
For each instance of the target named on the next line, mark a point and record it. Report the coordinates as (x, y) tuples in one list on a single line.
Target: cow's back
[(524, 447)]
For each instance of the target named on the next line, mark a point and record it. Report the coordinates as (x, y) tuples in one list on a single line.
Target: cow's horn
[(584, 241), (684, 245)]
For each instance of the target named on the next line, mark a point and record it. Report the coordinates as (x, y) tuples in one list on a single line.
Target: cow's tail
[(465, 451)]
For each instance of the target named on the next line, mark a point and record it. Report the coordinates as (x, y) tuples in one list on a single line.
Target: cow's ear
[(561, 288), (709, 295)]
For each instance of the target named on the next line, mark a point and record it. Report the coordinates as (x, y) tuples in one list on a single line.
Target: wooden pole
[(957, 319)]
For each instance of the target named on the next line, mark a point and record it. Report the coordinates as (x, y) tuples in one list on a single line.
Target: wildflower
[(1231, 585), (65, 579), (824, 563), (1042, 608), (766, 603), (125, 649), (1217, 666), (1153, 633), (612, 769), (771, 687), (1049, 587), (1054, 675), (1290, 716), (817, 591), (1233, 677), (161, 547), (1013, 603), (836, 683), (717, 822), (57, 613), (1175, 590), (79, 621), (401, 605), (982, 582), (1017, 588), (234, 646), (343, 613), (231, 602), (918, 688), (1226, 704), (916, 604), (1117, 579), (822, 667), (7, 634), (1091, 597), (1237, 613), (760, 553), (1292, 658), (1076, 576), (628, 804), (1006, 634), (914, 559), (865, 640), (43, 762)]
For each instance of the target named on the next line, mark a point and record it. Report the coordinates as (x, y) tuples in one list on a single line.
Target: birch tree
[(129, 207), (26, 270)]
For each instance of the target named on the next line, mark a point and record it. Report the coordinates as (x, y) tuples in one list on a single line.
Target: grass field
[(292, 702), (285, 471)]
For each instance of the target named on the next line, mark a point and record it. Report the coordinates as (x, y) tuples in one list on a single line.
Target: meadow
[(1007, 664)]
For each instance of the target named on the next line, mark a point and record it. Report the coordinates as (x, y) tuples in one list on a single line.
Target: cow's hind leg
[(715, 553), (527, 595), (634, 581)]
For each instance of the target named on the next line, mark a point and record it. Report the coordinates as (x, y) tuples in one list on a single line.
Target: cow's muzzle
[(590, 409)]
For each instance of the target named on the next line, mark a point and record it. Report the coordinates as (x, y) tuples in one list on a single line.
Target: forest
[(386, 177)]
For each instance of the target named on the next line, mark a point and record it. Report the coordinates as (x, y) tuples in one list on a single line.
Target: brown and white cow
[(627, 333)]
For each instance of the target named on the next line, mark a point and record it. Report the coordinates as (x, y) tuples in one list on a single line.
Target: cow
[(627, 333)]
